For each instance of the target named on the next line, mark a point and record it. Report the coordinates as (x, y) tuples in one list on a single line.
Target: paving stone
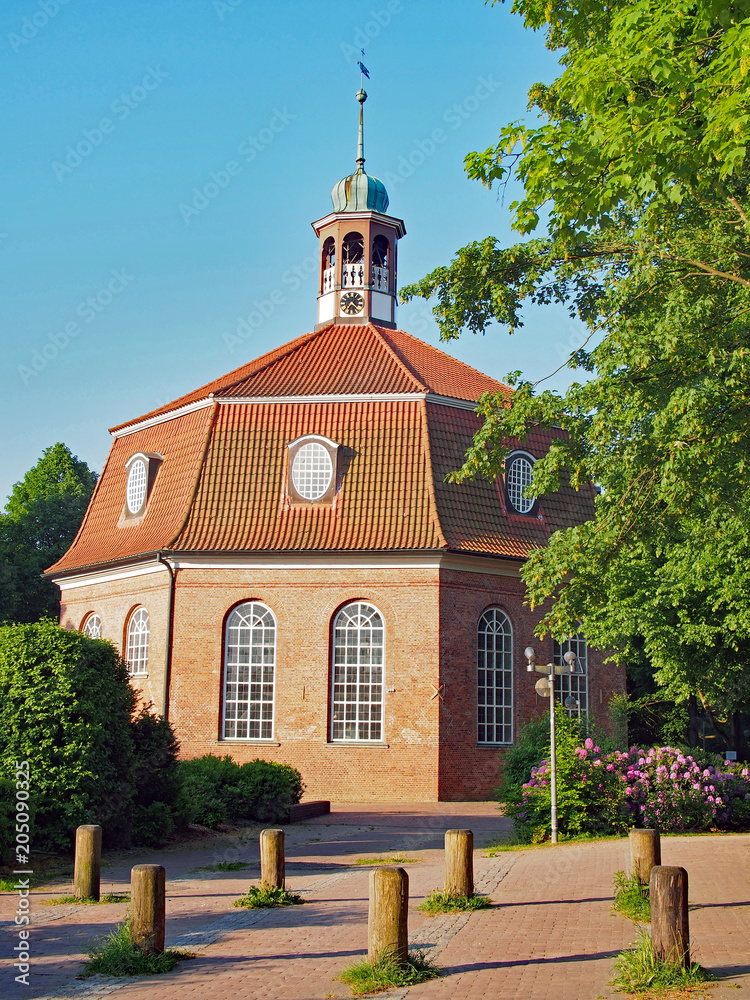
[(550, 933)]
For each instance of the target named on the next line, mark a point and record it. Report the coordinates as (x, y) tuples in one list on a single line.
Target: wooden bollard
[(645, 852), (670, 932), (459, 862), (387, 934), (272, 866), (147, 910), (88, 863)]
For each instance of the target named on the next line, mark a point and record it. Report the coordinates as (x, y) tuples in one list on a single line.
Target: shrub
[(662, 788), (65, 706), (7, 817), (215, 790), (156, 779)]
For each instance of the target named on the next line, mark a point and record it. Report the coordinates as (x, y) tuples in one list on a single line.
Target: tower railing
[(353, 276), (329, 277), (380, 278)]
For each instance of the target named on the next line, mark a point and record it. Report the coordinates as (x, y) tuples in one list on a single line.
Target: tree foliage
[(65, 706), (639, 160), (40, 520)]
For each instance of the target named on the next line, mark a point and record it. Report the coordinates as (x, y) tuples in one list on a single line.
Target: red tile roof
[(344, 360), (182, 443), (222, 484), (384, 501)]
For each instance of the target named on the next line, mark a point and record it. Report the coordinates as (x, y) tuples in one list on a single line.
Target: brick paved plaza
[(550, 933)]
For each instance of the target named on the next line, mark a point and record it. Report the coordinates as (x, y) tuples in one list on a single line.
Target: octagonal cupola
[(357, 272)]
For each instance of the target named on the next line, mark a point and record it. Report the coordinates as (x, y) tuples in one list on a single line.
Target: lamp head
[(530, 654), (542, 687), (570, 660)]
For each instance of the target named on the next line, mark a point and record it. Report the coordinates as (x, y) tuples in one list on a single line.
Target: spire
[(361, 97), (359, 192)]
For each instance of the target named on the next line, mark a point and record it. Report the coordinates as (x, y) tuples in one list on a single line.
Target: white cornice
[(109, 575), (199, 404), (388, 220), (310, 562), (362, 397)]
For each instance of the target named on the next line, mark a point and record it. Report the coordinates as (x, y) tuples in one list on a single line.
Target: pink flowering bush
[(663, 788)]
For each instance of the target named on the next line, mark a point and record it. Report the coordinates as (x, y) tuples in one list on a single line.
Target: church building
[(287, 572)]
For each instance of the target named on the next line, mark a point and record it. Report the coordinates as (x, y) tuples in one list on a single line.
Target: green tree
[(638, 160), (66, 707), (40, 520)]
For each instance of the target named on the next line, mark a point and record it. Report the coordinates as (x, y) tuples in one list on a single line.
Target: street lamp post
[(546, 686)]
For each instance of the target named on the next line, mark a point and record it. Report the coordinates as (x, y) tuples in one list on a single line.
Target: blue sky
[(118, 293)]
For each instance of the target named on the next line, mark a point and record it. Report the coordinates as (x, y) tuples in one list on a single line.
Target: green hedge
[(215, 790), (66, 706)]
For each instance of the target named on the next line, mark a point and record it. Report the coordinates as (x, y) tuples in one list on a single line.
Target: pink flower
[(589, 744)]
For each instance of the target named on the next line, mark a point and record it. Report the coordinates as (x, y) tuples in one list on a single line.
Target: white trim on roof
[(314, 562), (364, 397), (109, 576)]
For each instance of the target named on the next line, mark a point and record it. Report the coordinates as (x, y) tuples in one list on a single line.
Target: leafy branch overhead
[(637, 160)]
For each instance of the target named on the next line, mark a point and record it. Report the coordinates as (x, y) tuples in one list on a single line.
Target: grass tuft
[(639, 971), (364, 977), (396, 859), (444, 901), (263, 897), (107, 897), (225, 866), (631, 898), (116, 955)]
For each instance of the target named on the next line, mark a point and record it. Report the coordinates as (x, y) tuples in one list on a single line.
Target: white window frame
[(266, 701), (509, 462), (576, 684), (136, 650), (318, 468), (506, 705), (357, 722), (86, 624)]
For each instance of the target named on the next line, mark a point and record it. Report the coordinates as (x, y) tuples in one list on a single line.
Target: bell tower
[(357, 271)]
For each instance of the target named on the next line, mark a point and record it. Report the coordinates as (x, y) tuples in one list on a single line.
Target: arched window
[(92, 626), (572, 689), (380, 263), (136, 653), (494, 678), (354, 248), (357, 696), (136, 487), (249, 668), (328, 269), (518, 472), (353, 253)]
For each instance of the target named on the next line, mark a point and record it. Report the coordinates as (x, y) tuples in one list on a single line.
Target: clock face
[(352, 303)]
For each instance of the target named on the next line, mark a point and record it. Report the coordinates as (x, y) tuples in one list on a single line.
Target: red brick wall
[(468, 770), (430, 620), (113, 601), (304, 603)]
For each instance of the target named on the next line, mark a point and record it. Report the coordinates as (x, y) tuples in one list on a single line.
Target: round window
[(136, 491), (312, 471), (517, 478)]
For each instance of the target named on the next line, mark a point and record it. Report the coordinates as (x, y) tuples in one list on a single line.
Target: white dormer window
[(137, 483), (142, 469), (312, 471), (313, 463), (518, 472)]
